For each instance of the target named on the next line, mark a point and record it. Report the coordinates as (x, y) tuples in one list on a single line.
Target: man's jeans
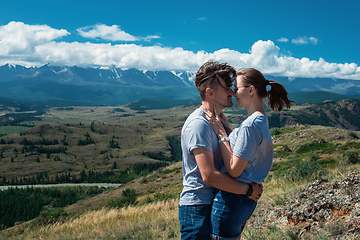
[(195, 221)]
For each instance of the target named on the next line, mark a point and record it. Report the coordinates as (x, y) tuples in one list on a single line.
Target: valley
[(137, 145)]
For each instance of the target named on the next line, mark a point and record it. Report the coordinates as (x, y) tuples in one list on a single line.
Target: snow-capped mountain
[(101, 85), (77, 75), (104, 85)]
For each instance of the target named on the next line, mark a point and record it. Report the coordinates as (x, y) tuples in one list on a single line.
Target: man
[(201, 154)]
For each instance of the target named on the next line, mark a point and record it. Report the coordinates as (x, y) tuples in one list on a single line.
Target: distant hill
[(12, 106), (114, 86), (318, 97), (343, 114)]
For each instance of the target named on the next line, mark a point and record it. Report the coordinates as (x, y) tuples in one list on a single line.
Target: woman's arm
[(234, 165), (225, 123)]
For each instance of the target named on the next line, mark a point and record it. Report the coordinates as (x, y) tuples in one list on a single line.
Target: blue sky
[(286, 38)]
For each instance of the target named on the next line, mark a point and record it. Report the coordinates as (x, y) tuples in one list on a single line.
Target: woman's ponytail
[(277, 95)]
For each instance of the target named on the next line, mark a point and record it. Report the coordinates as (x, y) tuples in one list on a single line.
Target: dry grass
[(160, 220), (152, 221)]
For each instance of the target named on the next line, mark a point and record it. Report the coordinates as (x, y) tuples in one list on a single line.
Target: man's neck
[(209, 106)]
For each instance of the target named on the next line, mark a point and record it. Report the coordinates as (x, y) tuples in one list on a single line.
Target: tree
[(114, 165), (92, 127)]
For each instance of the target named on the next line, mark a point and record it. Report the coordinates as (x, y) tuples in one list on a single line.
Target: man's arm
[(205, 161)]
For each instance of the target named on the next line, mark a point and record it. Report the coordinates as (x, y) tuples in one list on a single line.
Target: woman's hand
[(225, 123), (216, 123)]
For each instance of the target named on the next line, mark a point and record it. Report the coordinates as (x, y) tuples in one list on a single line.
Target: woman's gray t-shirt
[(251, 140)]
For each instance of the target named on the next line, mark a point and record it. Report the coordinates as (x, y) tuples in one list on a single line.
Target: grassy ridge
[(125, 136), (302, 155)]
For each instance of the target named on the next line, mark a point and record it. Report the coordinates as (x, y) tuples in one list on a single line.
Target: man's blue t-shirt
[(196, 133)]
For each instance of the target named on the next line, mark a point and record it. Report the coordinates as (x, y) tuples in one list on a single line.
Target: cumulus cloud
[(33, 45), (17, 38), (305, 40), (203, 19)]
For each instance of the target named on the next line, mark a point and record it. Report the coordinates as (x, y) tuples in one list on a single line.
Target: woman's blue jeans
[(229, 215)]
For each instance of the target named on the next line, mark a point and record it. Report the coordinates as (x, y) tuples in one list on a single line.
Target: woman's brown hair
[(277, 95)]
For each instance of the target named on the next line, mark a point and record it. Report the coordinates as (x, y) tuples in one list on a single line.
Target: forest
[(20, 205)]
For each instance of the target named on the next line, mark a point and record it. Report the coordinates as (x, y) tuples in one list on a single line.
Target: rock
[(322, 201)]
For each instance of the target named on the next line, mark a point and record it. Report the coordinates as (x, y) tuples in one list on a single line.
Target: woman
[(248, 151)]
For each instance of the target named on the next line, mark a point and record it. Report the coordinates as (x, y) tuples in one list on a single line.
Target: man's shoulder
[(196, 118)]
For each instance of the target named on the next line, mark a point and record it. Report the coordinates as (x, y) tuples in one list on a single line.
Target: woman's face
[(241, 93)]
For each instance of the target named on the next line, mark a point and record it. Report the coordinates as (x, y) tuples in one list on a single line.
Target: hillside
[(343, 114), (311, 193), (69, 140), (75, 144)]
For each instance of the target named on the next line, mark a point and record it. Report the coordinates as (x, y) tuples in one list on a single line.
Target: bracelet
[(250, 190), (224, 139)]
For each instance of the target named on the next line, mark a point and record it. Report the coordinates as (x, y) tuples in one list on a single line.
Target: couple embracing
[(223, 168)]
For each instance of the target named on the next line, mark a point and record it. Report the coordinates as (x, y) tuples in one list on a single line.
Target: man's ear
[(209, 92)]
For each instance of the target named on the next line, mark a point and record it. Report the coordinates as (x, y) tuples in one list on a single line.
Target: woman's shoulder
[(255, 119)]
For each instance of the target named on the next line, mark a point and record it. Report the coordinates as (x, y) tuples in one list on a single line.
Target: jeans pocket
[(244, 209)]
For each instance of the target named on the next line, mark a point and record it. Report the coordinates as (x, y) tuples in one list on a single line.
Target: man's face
[(223, 95)]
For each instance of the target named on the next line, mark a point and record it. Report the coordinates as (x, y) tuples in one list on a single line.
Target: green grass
[(12, 129), (303, 160)]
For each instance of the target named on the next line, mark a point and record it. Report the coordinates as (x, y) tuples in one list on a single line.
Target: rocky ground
[(322, 206)]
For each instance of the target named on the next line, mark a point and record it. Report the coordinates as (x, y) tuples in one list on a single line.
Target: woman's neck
[(255, 108)]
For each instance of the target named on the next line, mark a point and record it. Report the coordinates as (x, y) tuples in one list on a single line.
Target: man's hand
[(258, 190)]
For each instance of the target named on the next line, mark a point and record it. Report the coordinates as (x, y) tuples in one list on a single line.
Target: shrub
[(164, 196), (51, 215), (128, 198), (280, 200), (353, 135), (275, 131), (305, 171), (351, 157)]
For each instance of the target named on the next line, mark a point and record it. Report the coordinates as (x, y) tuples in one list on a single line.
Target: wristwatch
[(250, 190)]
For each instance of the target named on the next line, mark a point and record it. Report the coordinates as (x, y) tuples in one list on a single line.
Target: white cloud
[(19, 38), (33, 45), (112, 33), (148, 38), (305, 40), (203, 19), (282, 39)]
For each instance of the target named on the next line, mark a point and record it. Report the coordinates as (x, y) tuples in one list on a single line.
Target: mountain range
[(115, 86)]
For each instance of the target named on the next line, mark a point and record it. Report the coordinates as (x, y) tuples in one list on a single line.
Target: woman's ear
[(251, 90)]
